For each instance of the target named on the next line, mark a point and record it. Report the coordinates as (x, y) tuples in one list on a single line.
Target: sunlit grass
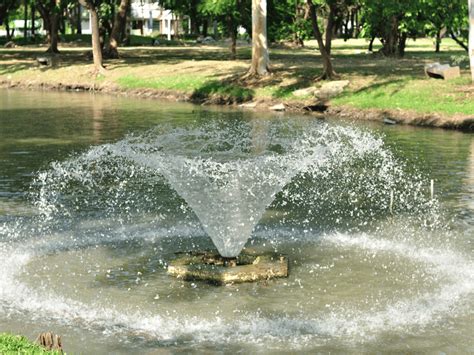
[(420, 95), (15, 344)]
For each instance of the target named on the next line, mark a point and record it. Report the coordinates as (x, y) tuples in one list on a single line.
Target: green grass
[(420, 95), (199, 87), (16, 344), (184, 83), (225, 92)]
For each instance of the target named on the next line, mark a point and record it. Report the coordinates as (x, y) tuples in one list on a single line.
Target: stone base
[(211, 267)]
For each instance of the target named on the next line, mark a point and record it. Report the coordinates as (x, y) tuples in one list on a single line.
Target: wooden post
[(471, 36)]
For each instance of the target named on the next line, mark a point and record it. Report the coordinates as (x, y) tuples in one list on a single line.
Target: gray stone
[(444, 71), (10, 44), (278, 107), (248, 105), (332, 88), (208, 39), (305, 92)]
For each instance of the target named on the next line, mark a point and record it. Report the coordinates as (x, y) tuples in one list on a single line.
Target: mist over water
[(367, 272)]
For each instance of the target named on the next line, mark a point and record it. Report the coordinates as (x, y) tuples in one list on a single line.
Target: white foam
[(268, 331)]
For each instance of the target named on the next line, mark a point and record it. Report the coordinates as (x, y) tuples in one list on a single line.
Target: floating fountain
[(375, 261), (227, 177)]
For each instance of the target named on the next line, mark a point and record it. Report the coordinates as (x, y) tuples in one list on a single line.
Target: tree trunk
[(328, 71), (118, 29), (53, 33), (329, 29), (458, 41), (391, 38), (438, 40), (50, 18), (233, 37), (25, 20), (96, 47), (260, 58), (371, 44), (471, 37), (79, 20), (7, 28), (402, 44), (33, 20), (205, 27), (193, 17)]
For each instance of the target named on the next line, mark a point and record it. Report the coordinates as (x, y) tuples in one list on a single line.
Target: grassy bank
[(16, 344), (205, 74)]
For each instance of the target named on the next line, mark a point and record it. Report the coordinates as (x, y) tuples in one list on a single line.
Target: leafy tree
[(50, 11), (187, 7), (92, 6), (6, 6), (443, 16), (118, 29), (287, 21), (324, 47), (230, 12), (393, 21)]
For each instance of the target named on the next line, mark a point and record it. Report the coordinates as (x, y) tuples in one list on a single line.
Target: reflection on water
[(361, 279)]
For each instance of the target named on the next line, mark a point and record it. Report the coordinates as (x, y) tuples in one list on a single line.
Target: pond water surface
[(98, 192)]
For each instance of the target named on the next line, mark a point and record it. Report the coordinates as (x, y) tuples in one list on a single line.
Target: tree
[(393, 21), (50, 13), (91, 5), (187, 7), (328, 70), (442, 16), (5, 7), (260, 58), (229, 12), (118, 28), (471, 37)]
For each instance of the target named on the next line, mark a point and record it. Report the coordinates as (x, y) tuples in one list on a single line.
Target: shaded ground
[(205, 74)]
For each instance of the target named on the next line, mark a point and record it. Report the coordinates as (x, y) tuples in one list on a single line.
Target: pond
[(98, 193)]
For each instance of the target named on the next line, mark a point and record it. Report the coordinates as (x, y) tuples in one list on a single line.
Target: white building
[(148, 18)]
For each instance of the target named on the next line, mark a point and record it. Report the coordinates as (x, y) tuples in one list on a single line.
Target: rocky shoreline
[(308, 106)]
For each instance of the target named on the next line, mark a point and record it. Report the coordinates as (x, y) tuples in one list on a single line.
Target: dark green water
[(399, 287)]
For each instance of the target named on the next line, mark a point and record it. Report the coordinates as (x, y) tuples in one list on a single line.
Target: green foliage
[(286, 20), (413, 18), (235, 12), (16, 344)]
